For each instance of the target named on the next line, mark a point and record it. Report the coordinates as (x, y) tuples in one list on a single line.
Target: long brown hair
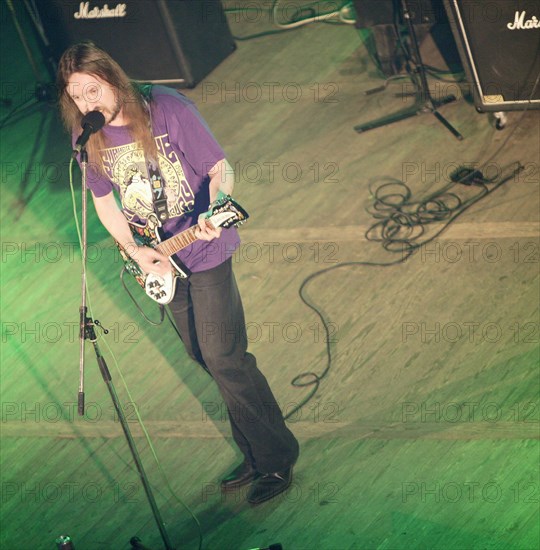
[(88, 58)]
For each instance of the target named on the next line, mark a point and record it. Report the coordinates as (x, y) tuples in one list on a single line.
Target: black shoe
[(267, 486), (242, 475)]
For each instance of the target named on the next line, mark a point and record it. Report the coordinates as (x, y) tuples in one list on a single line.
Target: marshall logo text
[(520, 23), (99, 13)]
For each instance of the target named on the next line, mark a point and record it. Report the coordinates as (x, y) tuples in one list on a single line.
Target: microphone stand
[(429, 105), (87, 332)]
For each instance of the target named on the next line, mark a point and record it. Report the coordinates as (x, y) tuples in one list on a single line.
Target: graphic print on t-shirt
[(126, 166)]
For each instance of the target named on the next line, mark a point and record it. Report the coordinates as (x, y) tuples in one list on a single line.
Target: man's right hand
[(151, 261)]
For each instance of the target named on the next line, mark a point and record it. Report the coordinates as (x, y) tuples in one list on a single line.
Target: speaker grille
[(500, 50), (168, 41)]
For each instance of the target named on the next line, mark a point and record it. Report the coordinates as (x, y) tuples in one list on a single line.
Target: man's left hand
[(206, 232)]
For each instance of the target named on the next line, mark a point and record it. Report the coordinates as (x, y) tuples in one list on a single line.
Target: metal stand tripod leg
[(425, 103)]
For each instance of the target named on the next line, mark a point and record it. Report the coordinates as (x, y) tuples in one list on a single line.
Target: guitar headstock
[(226, 212)]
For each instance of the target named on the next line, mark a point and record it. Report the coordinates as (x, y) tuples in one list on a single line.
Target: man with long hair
[(155, 136)]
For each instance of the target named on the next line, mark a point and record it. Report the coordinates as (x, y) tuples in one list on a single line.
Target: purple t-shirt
[(187, 151)]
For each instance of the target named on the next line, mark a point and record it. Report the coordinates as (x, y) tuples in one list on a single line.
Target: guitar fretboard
[(178, 242)]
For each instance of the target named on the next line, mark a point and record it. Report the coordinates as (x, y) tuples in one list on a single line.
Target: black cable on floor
[(402, 224)]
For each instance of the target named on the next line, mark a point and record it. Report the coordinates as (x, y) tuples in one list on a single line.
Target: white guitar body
[(161, 289), (226, 213)]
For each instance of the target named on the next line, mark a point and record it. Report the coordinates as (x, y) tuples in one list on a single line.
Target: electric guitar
[(224, 213)]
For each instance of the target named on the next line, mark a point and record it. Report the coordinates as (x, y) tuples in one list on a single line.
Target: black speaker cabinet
[(499, 45), (161, 41)]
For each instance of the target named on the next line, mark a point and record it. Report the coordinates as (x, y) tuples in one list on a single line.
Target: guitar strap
[(159, 197), (158, 191)]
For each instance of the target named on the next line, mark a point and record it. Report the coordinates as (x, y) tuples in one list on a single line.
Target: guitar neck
[(227, 215), (178, 242)]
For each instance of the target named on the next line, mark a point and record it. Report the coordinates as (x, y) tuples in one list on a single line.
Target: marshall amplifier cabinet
[(499, 45), (161, 41)]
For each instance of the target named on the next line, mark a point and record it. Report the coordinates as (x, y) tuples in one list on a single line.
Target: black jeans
[(209, 315)]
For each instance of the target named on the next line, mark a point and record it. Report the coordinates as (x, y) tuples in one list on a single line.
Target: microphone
[(91, 123)]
